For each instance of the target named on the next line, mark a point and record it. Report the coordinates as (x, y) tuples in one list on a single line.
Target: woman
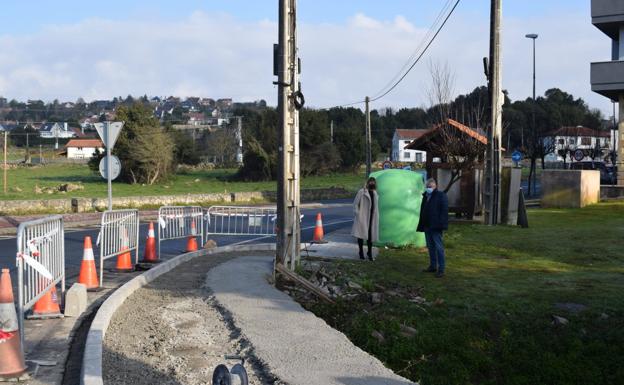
[(366, 221)]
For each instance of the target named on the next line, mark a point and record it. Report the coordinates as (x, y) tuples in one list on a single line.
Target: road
[(336, 215)]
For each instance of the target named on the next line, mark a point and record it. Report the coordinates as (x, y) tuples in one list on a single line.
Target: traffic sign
[(115, 167), (516, 156), (114, 129), (579, 155)]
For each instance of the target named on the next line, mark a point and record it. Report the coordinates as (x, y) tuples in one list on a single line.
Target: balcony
[(608, 16), (607, 78)]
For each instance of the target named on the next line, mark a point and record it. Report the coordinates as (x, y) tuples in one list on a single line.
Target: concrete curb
[(91, 372)]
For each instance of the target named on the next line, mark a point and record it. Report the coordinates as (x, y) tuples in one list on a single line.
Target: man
[(433, 221)]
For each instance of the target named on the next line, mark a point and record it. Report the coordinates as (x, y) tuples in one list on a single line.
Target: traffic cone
[(191, 243), (318, 230), (124, 259), (47, 306), (149, 255), (12, 363), (88, 273)]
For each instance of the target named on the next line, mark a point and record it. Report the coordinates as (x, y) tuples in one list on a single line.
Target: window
[(572, 141), (407, 155), (586, 141), (408, 142), (561, 141), (419, 158)]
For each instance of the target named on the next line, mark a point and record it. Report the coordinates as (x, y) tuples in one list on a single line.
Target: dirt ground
[(173, 332)]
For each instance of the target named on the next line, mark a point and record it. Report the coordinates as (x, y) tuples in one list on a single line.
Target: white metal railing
[(176, 222), (237, 220), (119, 233), (40, 261)]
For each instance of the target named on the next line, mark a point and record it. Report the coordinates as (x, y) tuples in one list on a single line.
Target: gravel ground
[(173, 332)]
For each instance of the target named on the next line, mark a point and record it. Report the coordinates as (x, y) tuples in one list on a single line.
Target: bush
[(258, 165)]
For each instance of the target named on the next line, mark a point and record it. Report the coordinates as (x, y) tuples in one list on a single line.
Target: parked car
[(608, 175)]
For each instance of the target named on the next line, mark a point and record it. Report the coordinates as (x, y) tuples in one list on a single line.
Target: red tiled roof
[(453, 123), (410, 134), (96, 143), (580, 131)]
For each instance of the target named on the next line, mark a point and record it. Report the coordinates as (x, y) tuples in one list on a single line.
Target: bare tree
[(460, 150), (221, 146)]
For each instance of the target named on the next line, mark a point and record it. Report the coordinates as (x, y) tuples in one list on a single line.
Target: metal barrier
[(119, 233), (176, 222), (236, 220), (40, 261)]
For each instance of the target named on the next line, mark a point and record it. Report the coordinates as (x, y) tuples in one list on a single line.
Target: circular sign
[(115, 167), (387, 165), (516, 156), (579, 155)]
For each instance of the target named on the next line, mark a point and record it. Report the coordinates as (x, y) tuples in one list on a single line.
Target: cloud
[(217, 55)]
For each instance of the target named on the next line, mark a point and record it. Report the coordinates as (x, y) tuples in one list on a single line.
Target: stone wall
[(570, 188), (83, 205)]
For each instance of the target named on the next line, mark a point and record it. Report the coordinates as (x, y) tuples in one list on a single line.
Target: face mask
[(429, 190)]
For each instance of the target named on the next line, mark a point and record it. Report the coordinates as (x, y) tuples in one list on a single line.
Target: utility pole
[(368, 138), (288, 199), (331, 131), (239, 139), (493, 158), (5, 162), (27, 150)]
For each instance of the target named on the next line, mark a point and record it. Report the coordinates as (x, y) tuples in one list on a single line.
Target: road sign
[(115, 167), (516, 156), (114, 130), (579, 155), (387, 165)]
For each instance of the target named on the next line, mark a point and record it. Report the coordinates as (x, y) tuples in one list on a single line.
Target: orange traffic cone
[(124, 259), (12, 363), (318, 230), (47, 306), (191, 243), (149, 255), (88, 273)]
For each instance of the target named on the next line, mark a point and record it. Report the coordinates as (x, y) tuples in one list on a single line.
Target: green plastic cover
[(400, 194)]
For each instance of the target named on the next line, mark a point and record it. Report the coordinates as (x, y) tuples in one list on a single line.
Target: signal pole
[(493, 158), (368, 138), (288, 199)]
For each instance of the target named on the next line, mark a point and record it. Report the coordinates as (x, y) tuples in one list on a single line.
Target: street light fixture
[(532, 36)]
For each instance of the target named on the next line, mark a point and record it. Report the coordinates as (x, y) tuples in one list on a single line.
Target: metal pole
[(534, 69), (108, 166), (5, 161), (494, 135), (368, 138)]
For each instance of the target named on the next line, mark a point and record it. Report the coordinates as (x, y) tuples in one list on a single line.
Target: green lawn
[(26, 178), (502, 288)]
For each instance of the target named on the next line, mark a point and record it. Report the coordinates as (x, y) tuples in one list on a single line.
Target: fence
[(176, 222), (236, 220), (40, 261), (119, 234)]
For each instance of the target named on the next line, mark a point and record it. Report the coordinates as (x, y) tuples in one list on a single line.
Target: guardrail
[(176, 222), (237, 220), (40, 262), (119, 233)]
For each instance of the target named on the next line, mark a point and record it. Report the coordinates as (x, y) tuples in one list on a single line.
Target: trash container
[(400, 195)]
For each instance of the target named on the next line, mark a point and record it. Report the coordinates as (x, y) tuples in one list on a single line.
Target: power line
[(420, 56)]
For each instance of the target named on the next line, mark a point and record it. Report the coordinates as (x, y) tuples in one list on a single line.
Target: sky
[(223, 48)]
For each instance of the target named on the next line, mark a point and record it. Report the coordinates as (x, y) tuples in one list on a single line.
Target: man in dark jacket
[(433, 221)]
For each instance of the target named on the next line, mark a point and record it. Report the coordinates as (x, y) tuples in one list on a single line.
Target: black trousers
[(369, 243)]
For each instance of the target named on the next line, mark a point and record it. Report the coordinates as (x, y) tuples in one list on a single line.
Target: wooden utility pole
[(369, 155), (5, 163), (493, 158), (331, 131), (288, 199)]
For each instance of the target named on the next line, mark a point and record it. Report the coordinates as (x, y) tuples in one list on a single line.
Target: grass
[(208, 181), (503, 286)]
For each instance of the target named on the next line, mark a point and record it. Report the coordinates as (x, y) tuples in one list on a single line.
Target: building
[(55, 131), (83, 148), (607, 78), (569, 140), (402, 138)]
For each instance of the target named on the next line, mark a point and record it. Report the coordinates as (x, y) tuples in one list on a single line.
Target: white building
[(56, 130), (83, 148), (402, 138), (570, 140)]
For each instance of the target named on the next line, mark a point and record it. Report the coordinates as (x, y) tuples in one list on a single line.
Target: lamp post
[(532, 36)]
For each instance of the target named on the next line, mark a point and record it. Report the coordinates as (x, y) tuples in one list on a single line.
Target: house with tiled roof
[(83, 148), (402, 138), (570, 139)]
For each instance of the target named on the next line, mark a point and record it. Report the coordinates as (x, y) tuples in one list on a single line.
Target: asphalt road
[(336, 215)]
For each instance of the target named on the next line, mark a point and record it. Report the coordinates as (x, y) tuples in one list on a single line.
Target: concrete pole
[(368, 138), (109, 173), (493, 166), (331, 131), (5, 162), (620, 150)]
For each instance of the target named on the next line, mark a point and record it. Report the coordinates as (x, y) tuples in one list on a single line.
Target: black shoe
[(429, 270), (439, 274), (370, 257), (362, 257)]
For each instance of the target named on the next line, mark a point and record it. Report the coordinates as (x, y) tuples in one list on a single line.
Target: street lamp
[(532, 36)]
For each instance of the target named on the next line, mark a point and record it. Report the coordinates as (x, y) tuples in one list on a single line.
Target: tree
[(258, 165), (144, 148), (221, 146)]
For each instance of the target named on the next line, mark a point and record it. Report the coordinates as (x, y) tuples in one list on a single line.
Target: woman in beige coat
[(366, 217)]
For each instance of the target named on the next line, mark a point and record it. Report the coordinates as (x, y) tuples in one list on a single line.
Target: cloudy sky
[(223, 48)]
